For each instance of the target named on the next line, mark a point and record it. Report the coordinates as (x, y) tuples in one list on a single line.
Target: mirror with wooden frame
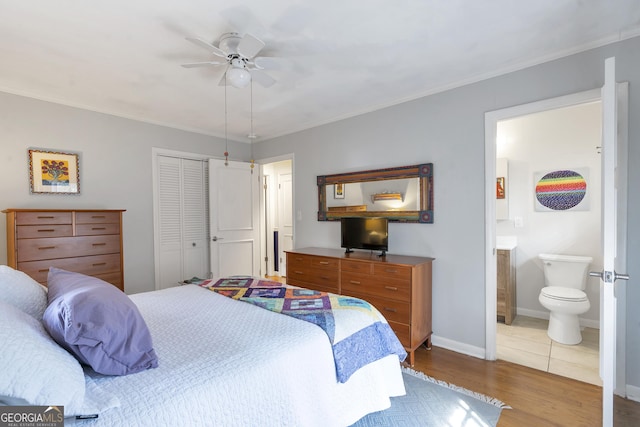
[(402, 194)]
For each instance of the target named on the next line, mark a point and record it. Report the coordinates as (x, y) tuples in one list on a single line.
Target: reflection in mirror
[(400, 194), (387, 195)]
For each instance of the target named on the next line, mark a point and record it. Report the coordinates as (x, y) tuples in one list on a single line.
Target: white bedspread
[(227, 363)]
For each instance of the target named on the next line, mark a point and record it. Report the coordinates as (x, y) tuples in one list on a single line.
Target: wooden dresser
[(83, 241), (398, 286), (506, 287)]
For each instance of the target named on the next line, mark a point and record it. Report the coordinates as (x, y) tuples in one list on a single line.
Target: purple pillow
[(97, 323)]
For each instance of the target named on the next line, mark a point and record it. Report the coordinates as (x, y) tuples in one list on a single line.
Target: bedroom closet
[(181, 214)]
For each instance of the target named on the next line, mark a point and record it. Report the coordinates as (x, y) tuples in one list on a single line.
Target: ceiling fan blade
[(202, 64), (262, 78), (249, 46), (211, 48), (268, 63)]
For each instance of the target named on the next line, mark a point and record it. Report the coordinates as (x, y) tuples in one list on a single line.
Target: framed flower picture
[(52, 172)]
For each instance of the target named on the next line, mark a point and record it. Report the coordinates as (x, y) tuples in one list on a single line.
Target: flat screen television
[(365, 233)]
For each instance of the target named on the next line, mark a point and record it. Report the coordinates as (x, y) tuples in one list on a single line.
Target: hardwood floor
[(537, 398)]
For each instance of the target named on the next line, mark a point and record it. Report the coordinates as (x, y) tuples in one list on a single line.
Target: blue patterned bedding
[(358, 333)]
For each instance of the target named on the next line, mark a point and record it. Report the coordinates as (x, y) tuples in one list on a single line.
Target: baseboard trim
[(587, 323), (458, 347), (633, 393)]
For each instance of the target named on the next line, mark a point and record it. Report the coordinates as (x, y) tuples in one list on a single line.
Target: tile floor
[(525, 342)]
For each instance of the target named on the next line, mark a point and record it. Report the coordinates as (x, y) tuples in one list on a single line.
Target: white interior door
[(285, 218), (168, 241), (181, 220), (195, 245), (614, 259), (234, 218)]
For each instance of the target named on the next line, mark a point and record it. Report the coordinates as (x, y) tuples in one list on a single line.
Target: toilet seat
[(560, 293)]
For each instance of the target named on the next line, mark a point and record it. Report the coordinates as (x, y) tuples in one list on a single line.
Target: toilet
[(565, 278)]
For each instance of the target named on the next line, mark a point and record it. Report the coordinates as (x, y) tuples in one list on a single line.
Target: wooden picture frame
[(500, 188), (52, 172)]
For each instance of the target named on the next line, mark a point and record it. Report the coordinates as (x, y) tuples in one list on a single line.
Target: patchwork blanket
[(358, 333)]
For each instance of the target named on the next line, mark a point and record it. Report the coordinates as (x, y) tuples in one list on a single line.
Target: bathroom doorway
[(529, 147), (491, 120)]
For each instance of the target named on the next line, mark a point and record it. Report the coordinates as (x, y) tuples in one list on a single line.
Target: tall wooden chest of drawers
[(83, 241), (398, 286)]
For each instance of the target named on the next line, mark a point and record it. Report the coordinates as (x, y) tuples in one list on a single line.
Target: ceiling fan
[(238, 55)]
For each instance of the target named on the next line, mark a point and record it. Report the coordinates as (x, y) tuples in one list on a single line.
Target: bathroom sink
[(506, 242)]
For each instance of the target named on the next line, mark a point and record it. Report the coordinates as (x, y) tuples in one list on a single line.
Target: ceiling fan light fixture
[(238, 77)]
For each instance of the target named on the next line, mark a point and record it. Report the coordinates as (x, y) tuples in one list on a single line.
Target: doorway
[(529, 147), (520, 223), (277, 215)]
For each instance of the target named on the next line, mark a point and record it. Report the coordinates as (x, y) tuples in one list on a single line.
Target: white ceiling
[(341, 57)]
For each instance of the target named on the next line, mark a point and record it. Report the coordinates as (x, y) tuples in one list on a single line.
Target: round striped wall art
[(561, 190)]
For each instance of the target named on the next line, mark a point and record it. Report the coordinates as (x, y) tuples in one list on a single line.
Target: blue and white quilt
[(358, 333)]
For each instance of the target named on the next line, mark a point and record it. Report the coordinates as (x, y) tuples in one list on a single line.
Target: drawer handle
[(299, 272), (46, 217), (98, 228), (324, 262), (47, 230), (97, 216), (44, 270), (391, 288), (42, 248), (96, 264), (99, 244), (393, 310), (391, 270), (324, 278), (355, 282)]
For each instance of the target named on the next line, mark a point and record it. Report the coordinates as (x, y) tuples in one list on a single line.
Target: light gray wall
[(448, 130), (561, 139), (115, 169)]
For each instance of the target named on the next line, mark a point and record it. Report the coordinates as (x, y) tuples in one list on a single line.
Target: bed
[(225, 362)]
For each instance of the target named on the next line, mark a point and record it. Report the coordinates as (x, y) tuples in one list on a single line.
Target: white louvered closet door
[(182, 220)]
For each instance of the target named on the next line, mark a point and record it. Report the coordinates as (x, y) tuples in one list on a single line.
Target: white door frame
[(491, 120)]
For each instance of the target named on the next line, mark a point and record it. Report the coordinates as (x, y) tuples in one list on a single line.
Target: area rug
[(430, 402)]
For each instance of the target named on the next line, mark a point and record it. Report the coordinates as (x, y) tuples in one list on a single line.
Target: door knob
[(216, 238), (617, 276), (609, 276)]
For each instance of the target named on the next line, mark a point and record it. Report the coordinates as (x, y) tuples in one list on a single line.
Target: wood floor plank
[(537, 398)]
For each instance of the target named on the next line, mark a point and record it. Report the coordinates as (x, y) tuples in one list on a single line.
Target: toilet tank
[(568, 271)]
